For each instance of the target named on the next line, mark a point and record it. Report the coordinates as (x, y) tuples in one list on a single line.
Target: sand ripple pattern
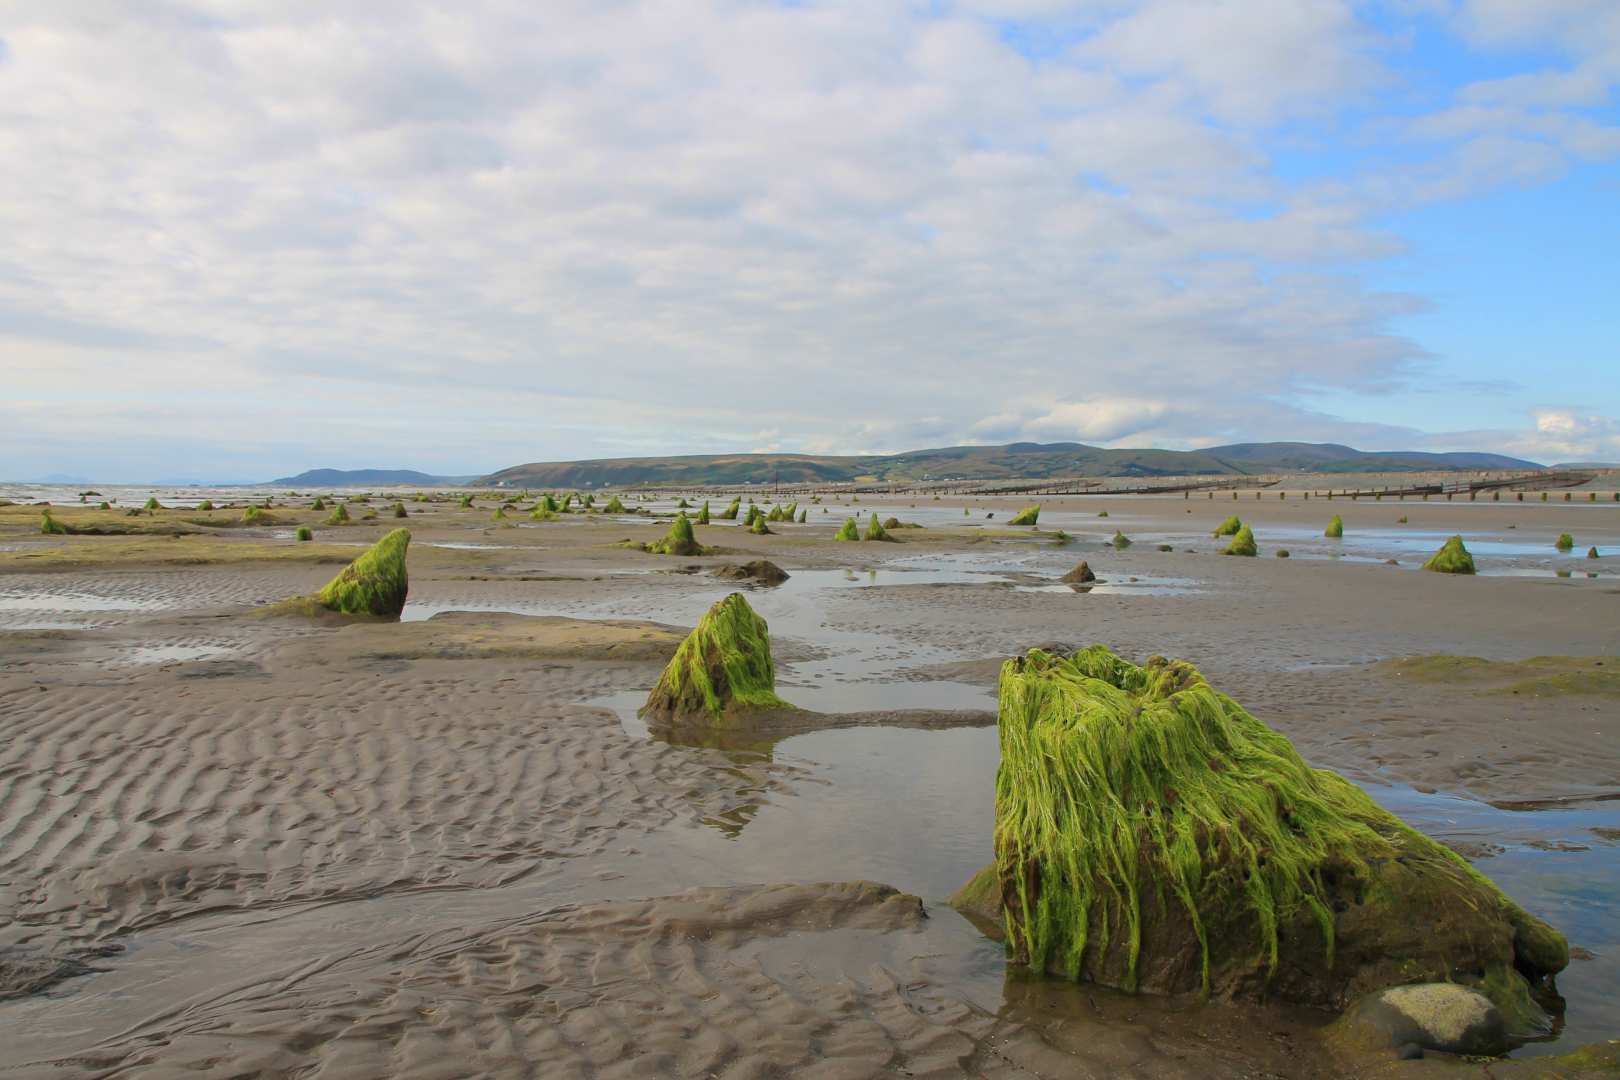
[(130, 806)]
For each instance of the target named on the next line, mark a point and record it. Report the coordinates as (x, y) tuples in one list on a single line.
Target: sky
[(241, 239)]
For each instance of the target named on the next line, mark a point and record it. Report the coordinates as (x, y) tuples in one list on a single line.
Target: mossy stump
[(1565, 542), (400, 511), (1592, 553), (721, 671), (1120, 541), (760, 527), (50, 526), (1452, 558), (304, 534), (1028, 516), (679, 540), (1335, 528), (375, 583), (1152, 835), (206, 504), (152, 504), (730, 512), (338, 516), (1229, 527), (875, 530), (1242, 544), (848, 531), (1080, 575), (318, 504)]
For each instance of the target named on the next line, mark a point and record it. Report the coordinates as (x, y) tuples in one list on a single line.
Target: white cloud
[(527, 231)]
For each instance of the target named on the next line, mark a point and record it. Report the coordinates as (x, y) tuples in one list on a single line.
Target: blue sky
[(243, 240)]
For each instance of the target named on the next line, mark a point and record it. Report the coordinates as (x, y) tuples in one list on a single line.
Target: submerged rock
[(723, 668), (1435, 1016), (1152, 835), (375, 583), (762, 571)]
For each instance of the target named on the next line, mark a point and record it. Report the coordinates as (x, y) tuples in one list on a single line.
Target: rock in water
[(723, 667), (761, 570), (1452, 558), (1080, 575), (1436, 1016), (375, 583), (1151, 834)]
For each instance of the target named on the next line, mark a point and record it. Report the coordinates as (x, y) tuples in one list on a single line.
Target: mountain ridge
[(1011, 461)]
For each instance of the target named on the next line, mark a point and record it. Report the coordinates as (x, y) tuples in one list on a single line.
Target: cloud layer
[(243, 236)]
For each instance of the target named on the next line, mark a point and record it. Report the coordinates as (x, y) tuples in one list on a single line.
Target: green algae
[(679, 540), (1120, 541), (256, 515), (50, 526), (1335, 528), (338, 516), (152, 504), (775, 514), (1452, 558), (206, 504), (318, 504), (1242, 544), (848, 531), (1028, 516), (615, 506), (499, 514), (1565, 542), (875, 530), (760, 527), (703, 513), (1229, 527), (804, 516), (1138, 808), (730, 512), (724, 666), (303, 534), (374, 584)]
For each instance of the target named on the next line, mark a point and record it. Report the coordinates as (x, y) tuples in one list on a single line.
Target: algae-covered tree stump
[(721, 671), (1152, 835), (1452, 558), (375, 583), (1028, 516)]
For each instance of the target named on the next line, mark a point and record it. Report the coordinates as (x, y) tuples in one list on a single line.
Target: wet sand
[(445, 847)]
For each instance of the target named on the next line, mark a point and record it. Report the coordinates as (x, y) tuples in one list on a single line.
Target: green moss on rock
[(374, 584), (1452, 558), (1242, 544), (722, 669), (1152, 834)]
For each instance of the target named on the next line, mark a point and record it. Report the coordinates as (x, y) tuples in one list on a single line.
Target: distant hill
[(365, 477), (1332, 457), (1021, 461)]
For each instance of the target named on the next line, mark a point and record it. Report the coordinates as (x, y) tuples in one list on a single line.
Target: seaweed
[(1335, 528), (1027, 516), (1229, 527), (1242, 544), (1452, 558), (722, 667), (848, 531), (374, 584), (1140, 810)]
